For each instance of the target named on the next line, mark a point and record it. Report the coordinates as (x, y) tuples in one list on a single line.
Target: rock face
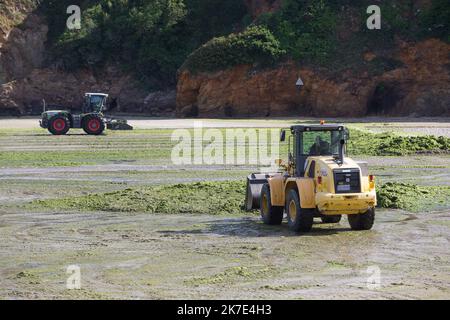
[(25, 96), (160, 103), (27, 77), (24, 49), (420, 87)]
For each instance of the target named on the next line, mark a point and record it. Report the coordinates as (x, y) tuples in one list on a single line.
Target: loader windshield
[(321, 143)]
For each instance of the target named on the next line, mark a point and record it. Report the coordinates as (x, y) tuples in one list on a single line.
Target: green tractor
[(91, 119)]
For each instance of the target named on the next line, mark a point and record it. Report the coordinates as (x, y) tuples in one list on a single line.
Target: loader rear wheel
[(362, 221), (270, 215), (299, 219), (58, 125), (330, 219), (93, 125)]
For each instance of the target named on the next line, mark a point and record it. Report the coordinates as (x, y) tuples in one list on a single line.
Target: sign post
[(299, 83)]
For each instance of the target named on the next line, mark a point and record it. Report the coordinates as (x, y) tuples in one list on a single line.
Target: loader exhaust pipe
[(341, 151)]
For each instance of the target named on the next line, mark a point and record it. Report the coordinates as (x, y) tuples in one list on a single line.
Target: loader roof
[(95, 94), (318, 127)]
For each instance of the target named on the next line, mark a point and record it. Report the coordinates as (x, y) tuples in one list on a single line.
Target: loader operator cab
[(315, 140), (94, 103)]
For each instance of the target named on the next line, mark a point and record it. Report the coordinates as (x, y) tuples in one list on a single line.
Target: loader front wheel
[(270, 215), (299, 219), (362, 221)]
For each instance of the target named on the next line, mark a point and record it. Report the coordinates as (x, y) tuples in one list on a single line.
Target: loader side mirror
[(283, 135), (342, 141)]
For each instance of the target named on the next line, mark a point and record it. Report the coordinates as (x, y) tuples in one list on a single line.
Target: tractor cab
[(94, 103), (315, 141)]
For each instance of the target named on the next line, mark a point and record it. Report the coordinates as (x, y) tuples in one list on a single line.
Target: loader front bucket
[(255, 182)]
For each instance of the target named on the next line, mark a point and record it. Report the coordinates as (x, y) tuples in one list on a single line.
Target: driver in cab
[(320, 147)]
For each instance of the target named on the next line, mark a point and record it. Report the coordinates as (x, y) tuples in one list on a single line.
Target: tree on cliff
[(150, 37)]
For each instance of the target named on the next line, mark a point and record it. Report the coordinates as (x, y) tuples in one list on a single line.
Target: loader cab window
[(315, 141), (321, 143)]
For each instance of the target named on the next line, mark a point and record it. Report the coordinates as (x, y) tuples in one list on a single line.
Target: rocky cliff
[(401, 70), (415, 83), (28, 75), (420, 86)]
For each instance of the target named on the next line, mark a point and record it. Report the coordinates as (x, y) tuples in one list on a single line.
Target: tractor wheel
[(363, 221), (331, 219), (271, 215), (93, 125), (58, 125), (299, 219)]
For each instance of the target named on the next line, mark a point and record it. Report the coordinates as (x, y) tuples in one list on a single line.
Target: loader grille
[(347, 181)]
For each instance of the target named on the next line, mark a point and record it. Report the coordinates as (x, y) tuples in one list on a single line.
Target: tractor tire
[(58, 125), (93, 125), (362, 221), (270, 215), (299, 219), (330, 219)]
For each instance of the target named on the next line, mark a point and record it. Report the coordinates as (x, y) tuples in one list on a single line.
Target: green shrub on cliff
[(151, 38), (436, 21), (334, 35), (305, 28), (154, 37), (255, 45)]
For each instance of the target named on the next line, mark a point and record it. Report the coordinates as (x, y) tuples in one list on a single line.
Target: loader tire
[(58, 125), (270, 215), (299, 219), (93, 125), (362, 221), (330, 219)]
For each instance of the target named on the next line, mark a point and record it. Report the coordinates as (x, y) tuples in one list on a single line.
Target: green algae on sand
[(226, 197)]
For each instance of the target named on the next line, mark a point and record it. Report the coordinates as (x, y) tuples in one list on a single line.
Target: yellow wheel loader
[(317, 181)]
